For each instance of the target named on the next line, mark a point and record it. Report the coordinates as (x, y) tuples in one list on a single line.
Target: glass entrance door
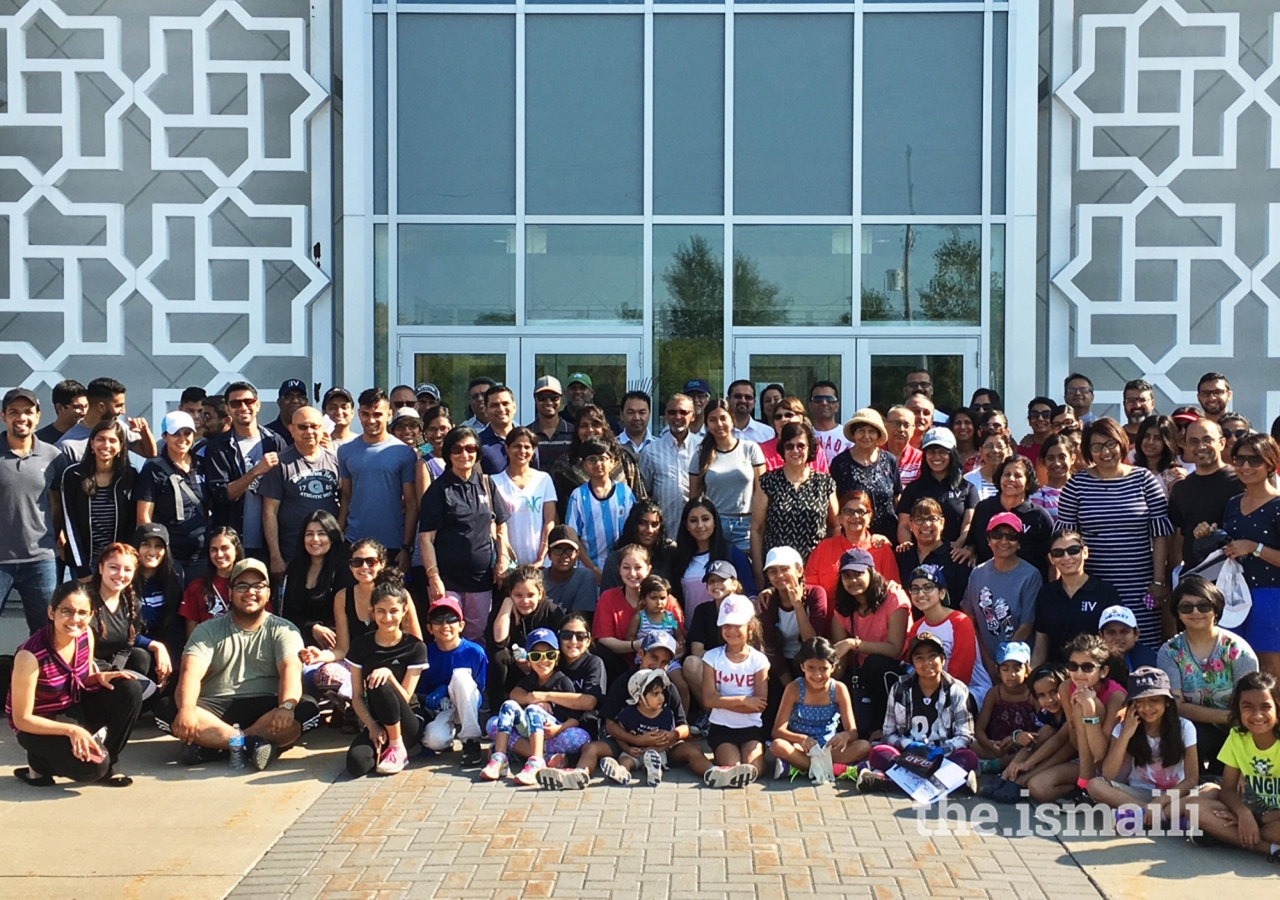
[(884, 363), (796, 364), (450, 363), (612, 364)]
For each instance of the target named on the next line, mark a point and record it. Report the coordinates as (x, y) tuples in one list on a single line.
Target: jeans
[(34, 582), (737, 531)]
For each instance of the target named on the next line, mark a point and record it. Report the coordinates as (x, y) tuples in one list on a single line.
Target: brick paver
[(435, 832)]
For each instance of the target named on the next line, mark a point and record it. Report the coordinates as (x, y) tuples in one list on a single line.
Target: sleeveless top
[(817, 722), (1008, 717), (355, 625), (58, 685)]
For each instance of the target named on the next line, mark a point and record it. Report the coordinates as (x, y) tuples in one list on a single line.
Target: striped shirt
[(599, 522), (58, 685), (664, 468)]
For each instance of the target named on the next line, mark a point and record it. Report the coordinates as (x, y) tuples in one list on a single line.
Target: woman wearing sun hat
[(864, 466)]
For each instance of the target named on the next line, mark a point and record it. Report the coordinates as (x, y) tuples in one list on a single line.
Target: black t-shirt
[(1201, 498), (616, 700), (366, 654), (703, 628), (1061, 618), (954, 501), (50, 434), (546, 615), (155, 485), (588, 675), (559, 682), (957, 574), (460, 513), (116, 628), (924, 711)]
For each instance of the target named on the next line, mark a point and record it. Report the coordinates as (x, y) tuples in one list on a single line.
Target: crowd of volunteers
[(1088, 613)]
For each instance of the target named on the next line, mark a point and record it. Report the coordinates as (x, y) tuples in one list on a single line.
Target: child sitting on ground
[(453, 684), (649, 712), (655, 614), (544, 728), (1153, 757), (1034, 752), (1008, 708), (1118, 627), (735, 688), (814, 730), (721, 579)]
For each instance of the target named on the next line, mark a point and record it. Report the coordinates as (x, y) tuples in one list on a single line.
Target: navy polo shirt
[(460, 513)]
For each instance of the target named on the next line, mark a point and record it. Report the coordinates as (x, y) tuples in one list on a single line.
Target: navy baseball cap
[(697, 385), (721, 568), (291, 385), (542, 636)]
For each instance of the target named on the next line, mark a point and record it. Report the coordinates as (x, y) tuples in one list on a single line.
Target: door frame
[(746, 346), (630, 346)]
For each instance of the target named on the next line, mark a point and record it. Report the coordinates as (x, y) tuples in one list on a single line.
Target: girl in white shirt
[(735, 684)]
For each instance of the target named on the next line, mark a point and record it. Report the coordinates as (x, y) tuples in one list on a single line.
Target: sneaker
[(614, 771), (780, 769), (494, 768), (576, 779), (717, 776), (555, 761), (740, 775), (703, 724), (872, 782), (471, 755), (971, 782), (393, 759), (1126, 822), (529, 774), (652, 768), (1274, 857), (563, 779), (1003, 791), (260, 752), (844, 772), (195, 755)]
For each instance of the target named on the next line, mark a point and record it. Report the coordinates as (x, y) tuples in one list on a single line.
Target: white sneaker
[(718, 776), (613, 770), (971, 782), (652, 768)]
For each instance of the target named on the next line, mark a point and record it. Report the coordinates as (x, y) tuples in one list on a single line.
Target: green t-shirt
[(243, 663), (1259, 769)]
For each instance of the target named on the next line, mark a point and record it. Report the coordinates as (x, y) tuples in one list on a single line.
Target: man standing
[(241, 669), (427, 395), (291, 398), (214, 420), (376, 480), (901, 424), (106, 400), (919, 381), (925, 414), (70, 403), (476, 396), (742, 402), (1202, 496), (635, 422), (305, 480), (233, 463), (699, 391), (340, 407), (555, 433), (1078, 394), (1040, 419), (1214, 395), (500, 405), (192, 401), (1139, 402), (664, 464), (824, 407), (26, 517)]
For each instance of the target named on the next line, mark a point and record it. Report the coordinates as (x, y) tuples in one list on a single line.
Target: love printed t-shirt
[(735, 680)]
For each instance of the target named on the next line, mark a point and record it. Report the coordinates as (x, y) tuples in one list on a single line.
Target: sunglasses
[(404, 404), (362, 562), (1249, 461), (547, 395), (1237, 433), (242, 401), (469, 449), (1004, 536), (444, 619), (1073, 550), (1204, 606), (1040, 414), (567, 635), (1086, 668), (823, 398), (794, 445), (983, 407), (540, 655)]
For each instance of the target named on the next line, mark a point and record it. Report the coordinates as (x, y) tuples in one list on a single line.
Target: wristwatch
[(288, 705), (1257, 550)]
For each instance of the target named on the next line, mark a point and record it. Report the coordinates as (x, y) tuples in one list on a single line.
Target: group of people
[(803, 595)]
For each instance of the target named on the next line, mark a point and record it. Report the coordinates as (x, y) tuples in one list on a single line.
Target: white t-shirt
[(525, 508), (789, 631), (1155, 776), (832, 441), (735, 680)]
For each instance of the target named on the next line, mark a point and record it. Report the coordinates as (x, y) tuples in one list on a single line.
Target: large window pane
[(456, 103), (380, 115), (688, 307), (577, 272), (584, 102), (793, 114), (921, 273), (452, 373), (457, 275), (999, 107), (688, 115), (888, 372), (792, 274), (922, 114), (381, 293), (996, 328)]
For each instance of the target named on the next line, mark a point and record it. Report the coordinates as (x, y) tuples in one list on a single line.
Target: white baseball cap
[(1121, 614), (175, 421), (783, 556), (735, 610)]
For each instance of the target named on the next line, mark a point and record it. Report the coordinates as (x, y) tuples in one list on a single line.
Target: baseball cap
[(581, 378), (1007, 519), (338, 392), (249, 564), (721, 568), (938, 437), (924, 638), (150, 530), (1186, 416), (697, 386), (20, 394), (658, 639), (1121, 614), (563, 534), (448, 603), (855, 559), (735, 610), (1016, 651), (542, 636), (1148, 681), (289, 385), (405, 412), (551, 384), (175, 421), (427, 388), (783, 556), (929, 573), (639, 682)]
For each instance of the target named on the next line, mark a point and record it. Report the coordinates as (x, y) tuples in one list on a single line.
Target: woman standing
[(789, 409), (568, 472), (646, 527), (97, 498), (435, 425), (1016, 477), (463, 533), (1157, 450), (942, 480), (318, 570), (868, 633), (700, 542), (170, 491), (795, 506), (530, 497), (964, 425), (727, 472), (864, 467), (823, 565), (996, 448), (1057, 457), (1122, 513)]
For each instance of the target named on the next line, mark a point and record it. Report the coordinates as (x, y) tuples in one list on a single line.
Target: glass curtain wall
[(687, 174)]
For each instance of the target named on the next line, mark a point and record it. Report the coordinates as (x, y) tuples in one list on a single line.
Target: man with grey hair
[(664, 463)]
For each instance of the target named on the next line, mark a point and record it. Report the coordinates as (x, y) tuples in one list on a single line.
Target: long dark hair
[(128, 597), (1168, 436), (877, 590), (707, 449), (687, 547), (1171, 747), (232, 535), (89, 466), (165, 576), (1254, 681), (954, 476), (331, 569), (631, 530), (590, 411)]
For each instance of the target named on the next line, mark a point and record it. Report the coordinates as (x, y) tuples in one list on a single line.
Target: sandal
[(115, 779), (24, 775)]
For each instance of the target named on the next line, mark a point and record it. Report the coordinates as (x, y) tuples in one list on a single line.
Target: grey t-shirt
[(251, 533), (26, 521), (578, 594), (242, 663), (302, 487), (730, 479), (1001, 602), (377, 473)]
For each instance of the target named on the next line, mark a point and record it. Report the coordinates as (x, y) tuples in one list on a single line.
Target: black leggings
[(869, 690), (1209, 741), (387, 708), (117, 709)]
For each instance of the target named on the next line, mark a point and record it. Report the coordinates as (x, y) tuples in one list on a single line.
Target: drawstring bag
[(1228, 575)]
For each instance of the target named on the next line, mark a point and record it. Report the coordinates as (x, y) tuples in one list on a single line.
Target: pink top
[(874, 629), (1104, 690)]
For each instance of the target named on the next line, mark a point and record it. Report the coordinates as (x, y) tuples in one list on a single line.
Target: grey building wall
[(156, 196)]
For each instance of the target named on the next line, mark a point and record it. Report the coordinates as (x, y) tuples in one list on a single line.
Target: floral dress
[(1212, 682)]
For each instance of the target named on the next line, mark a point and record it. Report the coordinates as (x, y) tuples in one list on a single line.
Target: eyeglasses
[(1011, 536), (540, 655), (444, 619), (926, 520), (257, 587), (242, 401), (855, 511), (364, 562), (1105, 445), (563, 550), (795, 445), (567, 635), (1086, 668), (823, 398), (1203, 606), (1040, 414), (1073, 550), (469, 449), (919, 590), (1216, 392), (596, 460), (1207, 442), (1249, 461)]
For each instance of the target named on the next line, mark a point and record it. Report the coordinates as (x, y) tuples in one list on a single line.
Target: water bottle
[(237, 748)]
